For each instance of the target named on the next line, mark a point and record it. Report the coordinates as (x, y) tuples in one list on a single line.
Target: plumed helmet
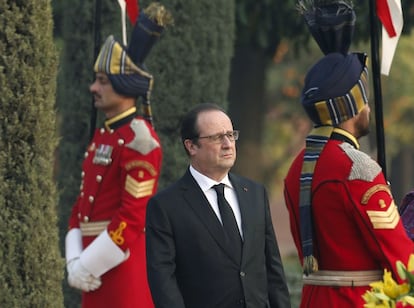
[(126, 77), (125, 65)]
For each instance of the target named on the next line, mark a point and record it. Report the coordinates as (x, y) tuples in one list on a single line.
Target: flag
[(132, 10), (129, 7), (389, 13)]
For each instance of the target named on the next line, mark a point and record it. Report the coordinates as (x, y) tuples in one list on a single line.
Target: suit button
[(98, 178), (242, 274)]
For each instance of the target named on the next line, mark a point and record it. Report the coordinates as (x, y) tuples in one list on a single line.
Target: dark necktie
[(233, 239)]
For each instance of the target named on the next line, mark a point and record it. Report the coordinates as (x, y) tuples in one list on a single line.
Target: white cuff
[(102, 255), (73, 244)]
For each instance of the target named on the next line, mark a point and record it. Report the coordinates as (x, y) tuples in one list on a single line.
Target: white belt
[(93, 228), (342, 278)]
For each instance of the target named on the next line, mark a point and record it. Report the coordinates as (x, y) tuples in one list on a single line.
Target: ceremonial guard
[(105, 244), (343, 218)]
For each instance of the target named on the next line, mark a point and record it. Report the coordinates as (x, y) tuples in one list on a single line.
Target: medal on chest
[(103, 155)]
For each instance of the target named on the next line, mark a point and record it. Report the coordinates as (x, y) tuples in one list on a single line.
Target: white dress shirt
[(206, 184)]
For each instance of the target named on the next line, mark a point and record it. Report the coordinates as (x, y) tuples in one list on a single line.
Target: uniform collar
[(121, 119), (343, 135)]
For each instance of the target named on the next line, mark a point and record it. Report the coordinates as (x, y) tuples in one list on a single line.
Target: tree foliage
[(31, 266), (398, 104), (398, 98), (263, 24), (191, 65)]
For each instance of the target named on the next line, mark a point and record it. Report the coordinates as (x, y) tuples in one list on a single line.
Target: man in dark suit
[(194, 258)]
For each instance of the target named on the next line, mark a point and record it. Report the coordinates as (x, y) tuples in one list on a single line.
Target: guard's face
[(213, 153), (105, 97)]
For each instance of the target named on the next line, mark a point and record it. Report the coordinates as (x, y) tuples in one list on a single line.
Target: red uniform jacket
[(120, 173), (356, 223)]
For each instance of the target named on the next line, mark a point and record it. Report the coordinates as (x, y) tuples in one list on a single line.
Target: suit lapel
[(196, 199)]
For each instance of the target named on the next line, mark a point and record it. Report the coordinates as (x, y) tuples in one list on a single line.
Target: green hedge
[(31, 267)]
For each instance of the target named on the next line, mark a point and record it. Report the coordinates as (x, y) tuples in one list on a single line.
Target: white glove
[(73, 244), (80, 278)]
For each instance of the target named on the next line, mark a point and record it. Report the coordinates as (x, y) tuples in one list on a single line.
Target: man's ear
[(190, 146)]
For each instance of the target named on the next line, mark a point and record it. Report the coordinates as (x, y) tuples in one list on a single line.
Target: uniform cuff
[(102, 255)]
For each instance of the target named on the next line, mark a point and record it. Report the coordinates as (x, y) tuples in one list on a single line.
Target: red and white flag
[(390, 14), (131, 8)]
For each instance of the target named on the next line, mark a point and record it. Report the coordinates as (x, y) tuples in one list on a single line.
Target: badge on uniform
[(103, 155)]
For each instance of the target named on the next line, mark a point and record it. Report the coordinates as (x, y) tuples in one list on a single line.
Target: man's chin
[(228, 163), (364, 132)]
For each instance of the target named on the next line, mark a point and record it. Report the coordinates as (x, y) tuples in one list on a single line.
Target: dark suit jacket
[(187, 262)]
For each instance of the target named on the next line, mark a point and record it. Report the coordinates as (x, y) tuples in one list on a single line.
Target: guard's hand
[(80, 278)]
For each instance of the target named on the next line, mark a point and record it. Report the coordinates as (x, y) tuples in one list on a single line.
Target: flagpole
[(97, 43), (379, 118)]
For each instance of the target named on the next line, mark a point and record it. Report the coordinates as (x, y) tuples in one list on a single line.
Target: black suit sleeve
[(161, 258), (277, 287)]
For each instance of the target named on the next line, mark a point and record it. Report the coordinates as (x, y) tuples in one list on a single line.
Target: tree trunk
[(247, 108)]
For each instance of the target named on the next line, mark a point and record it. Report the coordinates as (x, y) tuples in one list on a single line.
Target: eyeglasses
[(218, 138)]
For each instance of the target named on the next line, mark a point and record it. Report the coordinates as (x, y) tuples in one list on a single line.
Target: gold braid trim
[(374, 189), (116, 235)]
